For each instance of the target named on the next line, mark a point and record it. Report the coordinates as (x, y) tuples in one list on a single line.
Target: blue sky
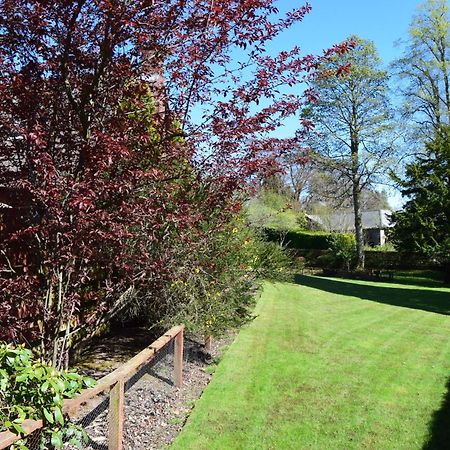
[(331, 21)]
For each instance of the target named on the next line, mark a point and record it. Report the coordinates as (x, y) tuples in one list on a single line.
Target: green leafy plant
[(343, 249), (300, 239), (216, 286), (275, 210), (32, 389), (387, 247)]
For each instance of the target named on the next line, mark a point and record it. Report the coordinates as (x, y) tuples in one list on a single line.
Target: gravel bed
[(155, 410)]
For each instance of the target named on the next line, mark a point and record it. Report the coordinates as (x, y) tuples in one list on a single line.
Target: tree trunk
[(358, 228), (356, 194), (208, 344)]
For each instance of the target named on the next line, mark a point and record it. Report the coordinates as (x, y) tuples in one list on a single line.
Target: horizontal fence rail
[(114, 386)]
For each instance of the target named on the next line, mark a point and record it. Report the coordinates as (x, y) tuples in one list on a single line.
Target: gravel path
[(155, 410)]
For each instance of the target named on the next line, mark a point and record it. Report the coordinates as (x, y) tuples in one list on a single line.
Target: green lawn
[(332, 364)]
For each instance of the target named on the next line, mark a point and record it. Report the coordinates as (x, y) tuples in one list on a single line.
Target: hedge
[(313, 244), (300, 239), (398, 260)]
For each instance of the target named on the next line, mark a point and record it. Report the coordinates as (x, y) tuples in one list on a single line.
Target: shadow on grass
[(415, 298), (417, 281), (440, 426)]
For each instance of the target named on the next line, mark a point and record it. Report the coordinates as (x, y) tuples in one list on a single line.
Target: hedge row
[(399, 260), (318, 241), (378, 260), (304, 240)]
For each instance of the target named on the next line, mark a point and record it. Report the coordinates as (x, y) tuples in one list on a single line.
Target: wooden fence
[(113, 384)]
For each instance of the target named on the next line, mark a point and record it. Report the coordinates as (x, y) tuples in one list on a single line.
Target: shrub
[(343, 249), (275, 210), (399, 260), (312, 257), (327, 260), (388, 247), (31, 389), (216, 284), (299, 239)]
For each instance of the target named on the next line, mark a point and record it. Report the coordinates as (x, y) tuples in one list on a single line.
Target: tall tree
[(354, 136), (310, 186), (298, 171), (424, 68), (424, 223)]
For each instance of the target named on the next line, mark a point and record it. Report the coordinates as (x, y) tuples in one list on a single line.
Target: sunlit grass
[(332, 364)]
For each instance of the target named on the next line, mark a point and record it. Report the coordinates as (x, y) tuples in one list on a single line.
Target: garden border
[(114, 383)]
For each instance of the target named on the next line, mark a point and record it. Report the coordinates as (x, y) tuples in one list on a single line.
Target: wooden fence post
[(115, 384), (208, 344), (178, 359), (116, 416)]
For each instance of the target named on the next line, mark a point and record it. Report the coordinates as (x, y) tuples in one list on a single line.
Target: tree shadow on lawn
[(417, 281), (424, 299), (439, 426)]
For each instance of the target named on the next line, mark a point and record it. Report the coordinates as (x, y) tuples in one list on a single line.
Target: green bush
[(400, 260), (31, 389), (311, 257), (271, 209), (216, 292), (300, 239), (388, 247), (343, 249), (327, 261), (341, 253)]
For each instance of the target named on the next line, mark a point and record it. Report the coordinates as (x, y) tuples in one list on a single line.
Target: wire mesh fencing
[(122, 410), (33, 441), (93, 419), (145, 395)]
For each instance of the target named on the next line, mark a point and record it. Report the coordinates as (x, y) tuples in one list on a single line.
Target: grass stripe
[(331, 364)]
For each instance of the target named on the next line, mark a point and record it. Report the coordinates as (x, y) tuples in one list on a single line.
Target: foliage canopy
[(424, 223), (104, 166), (353, 136)]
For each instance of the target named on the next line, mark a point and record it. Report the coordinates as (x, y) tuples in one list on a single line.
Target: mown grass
[(431, 278), (332, 364)]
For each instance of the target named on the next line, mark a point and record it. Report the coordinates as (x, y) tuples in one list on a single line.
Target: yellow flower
[(197, 270), (235, 230)]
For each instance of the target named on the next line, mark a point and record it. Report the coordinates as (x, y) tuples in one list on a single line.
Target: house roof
[(344, 220)]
